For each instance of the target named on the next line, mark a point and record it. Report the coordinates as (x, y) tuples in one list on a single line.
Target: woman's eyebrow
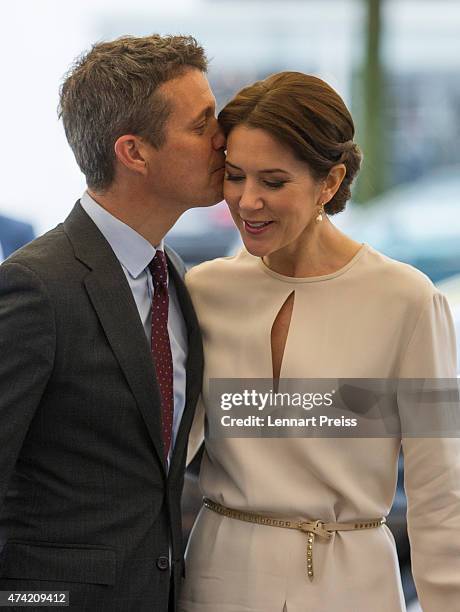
[(274, 170), (267, 171), (232, 165)]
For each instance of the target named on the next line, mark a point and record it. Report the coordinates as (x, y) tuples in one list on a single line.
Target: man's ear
[(130, 151), (333, 181)]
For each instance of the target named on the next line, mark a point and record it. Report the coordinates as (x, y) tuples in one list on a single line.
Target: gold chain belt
[(311, 528)]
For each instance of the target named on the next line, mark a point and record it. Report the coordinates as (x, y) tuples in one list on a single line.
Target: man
[(97, 395), (13, 235)]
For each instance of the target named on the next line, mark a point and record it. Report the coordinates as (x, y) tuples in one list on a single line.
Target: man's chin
[(210, 200)]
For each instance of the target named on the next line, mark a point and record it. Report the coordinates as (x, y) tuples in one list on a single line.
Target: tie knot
[(159, 271)]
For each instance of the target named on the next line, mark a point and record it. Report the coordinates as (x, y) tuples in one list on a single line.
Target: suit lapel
[(116, 309), (194, 364)]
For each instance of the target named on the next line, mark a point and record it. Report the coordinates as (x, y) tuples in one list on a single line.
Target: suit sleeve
[(27, 346), (432, 467)]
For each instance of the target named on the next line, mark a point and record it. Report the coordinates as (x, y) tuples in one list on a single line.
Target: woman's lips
[(256, 227)]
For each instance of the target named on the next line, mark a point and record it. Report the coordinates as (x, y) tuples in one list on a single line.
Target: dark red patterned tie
[(160, 345)]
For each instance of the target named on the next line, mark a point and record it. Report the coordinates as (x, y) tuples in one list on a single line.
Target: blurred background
[(395, 62)]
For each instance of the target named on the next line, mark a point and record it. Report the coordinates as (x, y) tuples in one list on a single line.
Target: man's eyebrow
[(209, 110), (267, 171)]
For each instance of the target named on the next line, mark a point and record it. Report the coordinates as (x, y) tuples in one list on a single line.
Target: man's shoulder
[(46, 256)]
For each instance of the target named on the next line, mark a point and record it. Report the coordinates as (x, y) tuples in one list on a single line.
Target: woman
[(302, 300)]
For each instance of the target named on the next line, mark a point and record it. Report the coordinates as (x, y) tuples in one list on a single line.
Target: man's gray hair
[(112, 90)]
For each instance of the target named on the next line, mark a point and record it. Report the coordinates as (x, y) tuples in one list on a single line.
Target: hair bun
[(351, 157)]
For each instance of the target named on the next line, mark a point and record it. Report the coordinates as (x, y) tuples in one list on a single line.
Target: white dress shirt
[(134, 253)]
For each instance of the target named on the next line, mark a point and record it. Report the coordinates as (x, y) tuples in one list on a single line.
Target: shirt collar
[(132, 250)]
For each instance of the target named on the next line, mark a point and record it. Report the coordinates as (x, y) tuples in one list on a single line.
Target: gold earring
[(319, 218)]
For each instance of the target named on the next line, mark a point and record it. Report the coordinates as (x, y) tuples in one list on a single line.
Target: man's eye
[(201, 128), (233, 177)]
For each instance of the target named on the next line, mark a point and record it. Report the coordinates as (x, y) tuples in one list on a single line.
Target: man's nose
[(218, 140)]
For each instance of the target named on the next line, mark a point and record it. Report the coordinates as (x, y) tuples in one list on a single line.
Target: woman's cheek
[(231, 196)]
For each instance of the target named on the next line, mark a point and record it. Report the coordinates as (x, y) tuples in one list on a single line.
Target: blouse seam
[(422, 310)]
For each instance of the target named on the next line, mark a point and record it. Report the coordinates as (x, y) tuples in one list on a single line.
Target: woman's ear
[(333, 181)]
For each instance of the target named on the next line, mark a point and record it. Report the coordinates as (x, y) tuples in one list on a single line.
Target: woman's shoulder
[(398, 279), (220, 271)]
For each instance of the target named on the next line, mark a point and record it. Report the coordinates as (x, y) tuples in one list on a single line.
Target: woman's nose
[(250, 200)]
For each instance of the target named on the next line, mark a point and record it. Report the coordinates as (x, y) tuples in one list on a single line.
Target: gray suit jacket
[(86, 504)]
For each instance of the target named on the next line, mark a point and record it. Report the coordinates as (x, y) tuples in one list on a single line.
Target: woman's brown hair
[(308, 116)]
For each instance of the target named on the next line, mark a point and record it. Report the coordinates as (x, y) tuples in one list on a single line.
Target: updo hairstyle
[(306, 114)]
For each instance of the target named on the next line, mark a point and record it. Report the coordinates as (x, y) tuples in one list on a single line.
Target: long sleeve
[(432, 469), (27, 344)]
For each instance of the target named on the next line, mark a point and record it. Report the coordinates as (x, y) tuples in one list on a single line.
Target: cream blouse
[(373, 318)]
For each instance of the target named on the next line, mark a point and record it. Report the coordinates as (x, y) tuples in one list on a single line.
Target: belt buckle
[(305, 526), (316, 527)]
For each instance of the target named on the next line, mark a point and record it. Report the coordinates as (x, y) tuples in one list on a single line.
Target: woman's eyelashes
[(270, 184), (233, 177), (275, 184)]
